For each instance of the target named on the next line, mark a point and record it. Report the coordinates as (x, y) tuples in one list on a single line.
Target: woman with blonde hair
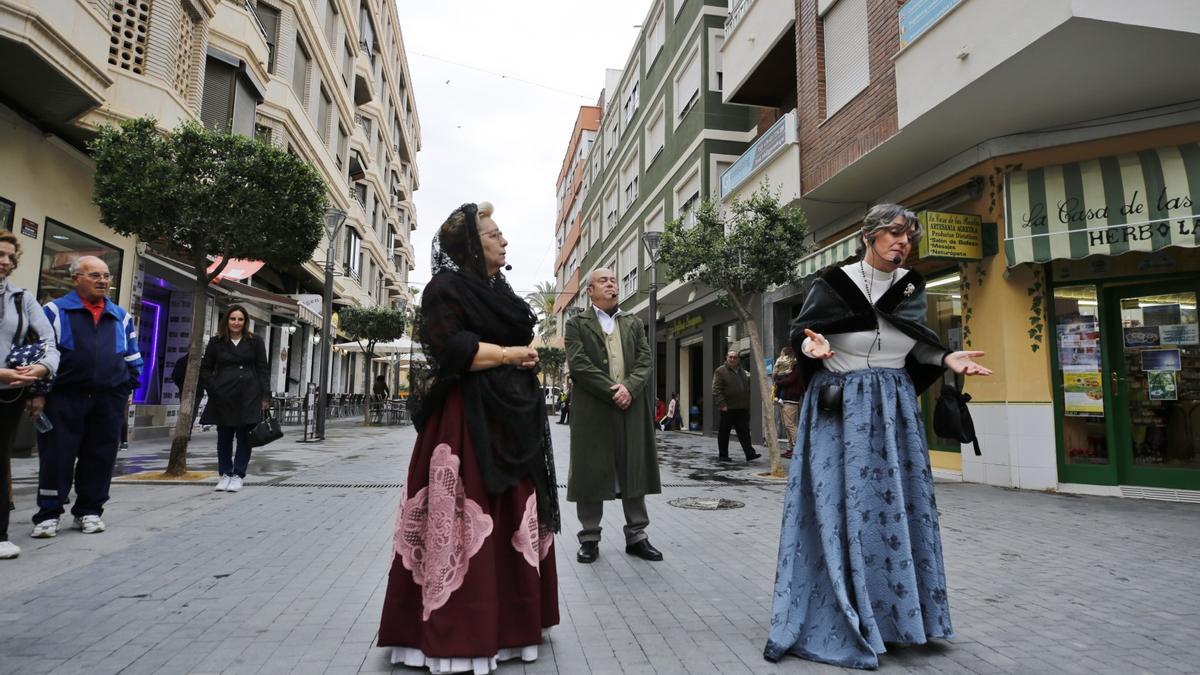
[(20, 318)]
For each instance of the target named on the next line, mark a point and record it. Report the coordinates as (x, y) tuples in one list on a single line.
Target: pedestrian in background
[(789, 388), (98, 368), (234, 371), (178, 374), (20, 316), (668, 420), (380, 388), (731, 395), (564, 412), (860, 565), (613, 455)]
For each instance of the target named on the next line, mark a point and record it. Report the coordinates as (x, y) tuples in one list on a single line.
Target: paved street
[(288, 575)]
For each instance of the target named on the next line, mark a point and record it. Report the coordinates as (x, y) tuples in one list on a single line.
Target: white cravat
[(607, 322)]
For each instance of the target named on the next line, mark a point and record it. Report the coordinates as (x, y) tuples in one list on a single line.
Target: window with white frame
[(630, 106), (678, 7), (847, 67), (629, 182), (657, 36), (687, 198), (716, 39), (610, 211), (656, 134), (721, 168), (610, 138), (629, 268), (687, 84)]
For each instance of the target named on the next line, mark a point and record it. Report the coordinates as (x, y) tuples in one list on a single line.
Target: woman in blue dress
[(860, 554)]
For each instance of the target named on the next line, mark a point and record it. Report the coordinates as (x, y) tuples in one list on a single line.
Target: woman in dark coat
[(473, 580), (234, 372)]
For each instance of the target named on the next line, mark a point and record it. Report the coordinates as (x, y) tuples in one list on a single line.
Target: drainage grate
[(706, 503)]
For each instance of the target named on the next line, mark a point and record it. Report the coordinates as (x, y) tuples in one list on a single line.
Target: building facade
[(568, 219), (324, 79), (1060, 211), (665, 138)]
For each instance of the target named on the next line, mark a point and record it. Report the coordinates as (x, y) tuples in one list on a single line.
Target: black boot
[(588, 552)]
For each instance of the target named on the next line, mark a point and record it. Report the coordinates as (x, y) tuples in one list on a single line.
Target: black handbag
[(265, 431), (952, 418)]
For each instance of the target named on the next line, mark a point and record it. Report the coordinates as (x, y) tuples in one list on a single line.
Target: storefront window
[(6, 214), (63, 245), (1162, 371), (944, 317), (1079, 375)]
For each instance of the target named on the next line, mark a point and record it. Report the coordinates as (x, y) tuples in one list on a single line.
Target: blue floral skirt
[(860, 553)]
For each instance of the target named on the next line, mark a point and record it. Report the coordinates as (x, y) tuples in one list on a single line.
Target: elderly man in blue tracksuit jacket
[(99, 367)]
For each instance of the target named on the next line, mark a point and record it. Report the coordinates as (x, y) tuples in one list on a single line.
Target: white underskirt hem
[(479, 665)]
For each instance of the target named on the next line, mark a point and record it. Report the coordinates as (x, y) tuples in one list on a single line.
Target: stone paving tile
[(277, 579)]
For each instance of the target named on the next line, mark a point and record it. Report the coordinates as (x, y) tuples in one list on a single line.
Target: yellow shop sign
[(954, 236)]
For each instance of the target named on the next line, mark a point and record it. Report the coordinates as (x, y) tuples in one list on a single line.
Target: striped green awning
[(833, 254), (1142, 201)]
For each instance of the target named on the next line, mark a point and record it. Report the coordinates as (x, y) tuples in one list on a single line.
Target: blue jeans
[(227, 463)]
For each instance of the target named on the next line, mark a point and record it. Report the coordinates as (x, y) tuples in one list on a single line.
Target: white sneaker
[(89, 524), (9, 550), (223, 484), (235, 483), (45, 529)]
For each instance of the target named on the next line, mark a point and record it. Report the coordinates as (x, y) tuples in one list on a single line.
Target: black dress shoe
[(644, 550), (753, 457), (588, 552), (724, 459)]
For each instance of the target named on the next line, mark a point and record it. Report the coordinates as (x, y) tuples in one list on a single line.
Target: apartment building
[(1052, 150), (568, 219), (665, 138), (325, 79)]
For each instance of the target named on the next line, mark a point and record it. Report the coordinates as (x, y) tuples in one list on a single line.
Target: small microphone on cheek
[(508, 268), (896, 260)]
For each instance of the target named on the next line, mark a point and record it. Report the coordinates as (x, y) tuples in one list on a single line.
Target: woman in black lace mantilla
[(474, 532)]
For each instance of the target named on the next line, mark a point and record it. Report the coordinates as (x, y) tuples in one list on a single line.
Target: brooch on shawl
[(909, 289)]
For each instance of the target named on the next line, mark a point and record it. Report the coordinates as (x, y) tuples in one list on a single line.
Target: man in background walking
[(731, 395)]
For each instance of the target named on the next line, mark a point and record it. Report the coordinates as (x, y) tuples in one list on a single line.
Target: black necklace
[(869, 283)]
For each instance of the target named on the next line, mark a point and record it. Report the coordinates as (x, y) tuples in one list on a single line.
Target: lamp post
[(334, 218), (401, 304), (650, 240)]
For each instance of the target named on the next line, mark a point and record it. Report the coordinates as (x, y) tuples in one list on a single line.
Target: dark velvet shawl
[(836, 305)]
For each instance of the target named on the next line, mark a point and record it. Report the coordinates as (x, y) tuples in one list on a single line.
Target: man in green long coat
[(612, 423)]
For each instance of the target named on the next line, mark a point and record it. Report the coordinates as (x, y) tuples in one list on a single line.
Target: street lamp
[(401, 304), (650, 240), (334, 218)]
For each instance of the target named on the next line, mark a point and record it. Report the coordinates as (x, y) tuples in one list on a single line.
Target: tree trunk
[(177, 464), (742, 307), (368, 383)]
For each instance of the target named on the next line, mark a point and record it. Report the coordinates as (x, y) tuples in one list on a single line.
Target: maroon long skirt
[(472, 573)]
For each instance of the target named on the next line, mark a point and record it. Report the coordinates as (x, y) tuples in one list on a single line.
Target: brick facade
[(829, 145)]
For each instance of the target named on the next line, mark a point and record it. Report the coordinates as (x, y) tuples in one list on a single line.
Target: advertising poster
[(1161, 359), (1161, 315), (1084, 393), (1079, 358), (1161, 385), (1178, 334), (1142, 336)]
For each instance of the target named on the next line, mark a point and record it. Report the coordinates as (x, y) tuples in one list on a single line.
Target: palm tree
[(542, 300)]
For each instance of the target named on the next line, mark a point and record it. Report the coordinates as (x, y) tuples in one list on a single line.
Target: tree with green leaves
[(741, 250), (542, 300), (205, 195), (369, 326), (552, 360)]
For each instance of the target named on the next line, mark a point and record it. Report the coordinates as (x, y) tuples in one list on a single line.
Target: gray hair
[(595, 269), (880, 217), (77, 263)]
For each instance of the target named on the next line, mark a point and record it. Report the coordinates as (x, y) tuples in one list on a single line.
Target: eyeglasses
[(494, 234), (97, 276)]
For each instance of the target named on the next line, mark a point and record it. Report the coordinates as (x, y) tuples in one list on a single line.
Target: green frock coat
[(598, 426)]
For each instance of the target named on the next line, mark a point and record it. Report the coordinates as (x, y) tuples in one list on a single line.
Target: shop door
[(1155, 417)]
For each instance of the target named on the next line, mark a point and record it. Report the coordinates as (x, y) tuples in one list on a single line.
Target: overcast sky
[(499, 139)]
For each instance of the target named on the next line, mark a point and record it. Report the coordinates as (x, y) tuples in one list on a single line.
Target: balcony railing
[(736, 14), (769, 144)]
